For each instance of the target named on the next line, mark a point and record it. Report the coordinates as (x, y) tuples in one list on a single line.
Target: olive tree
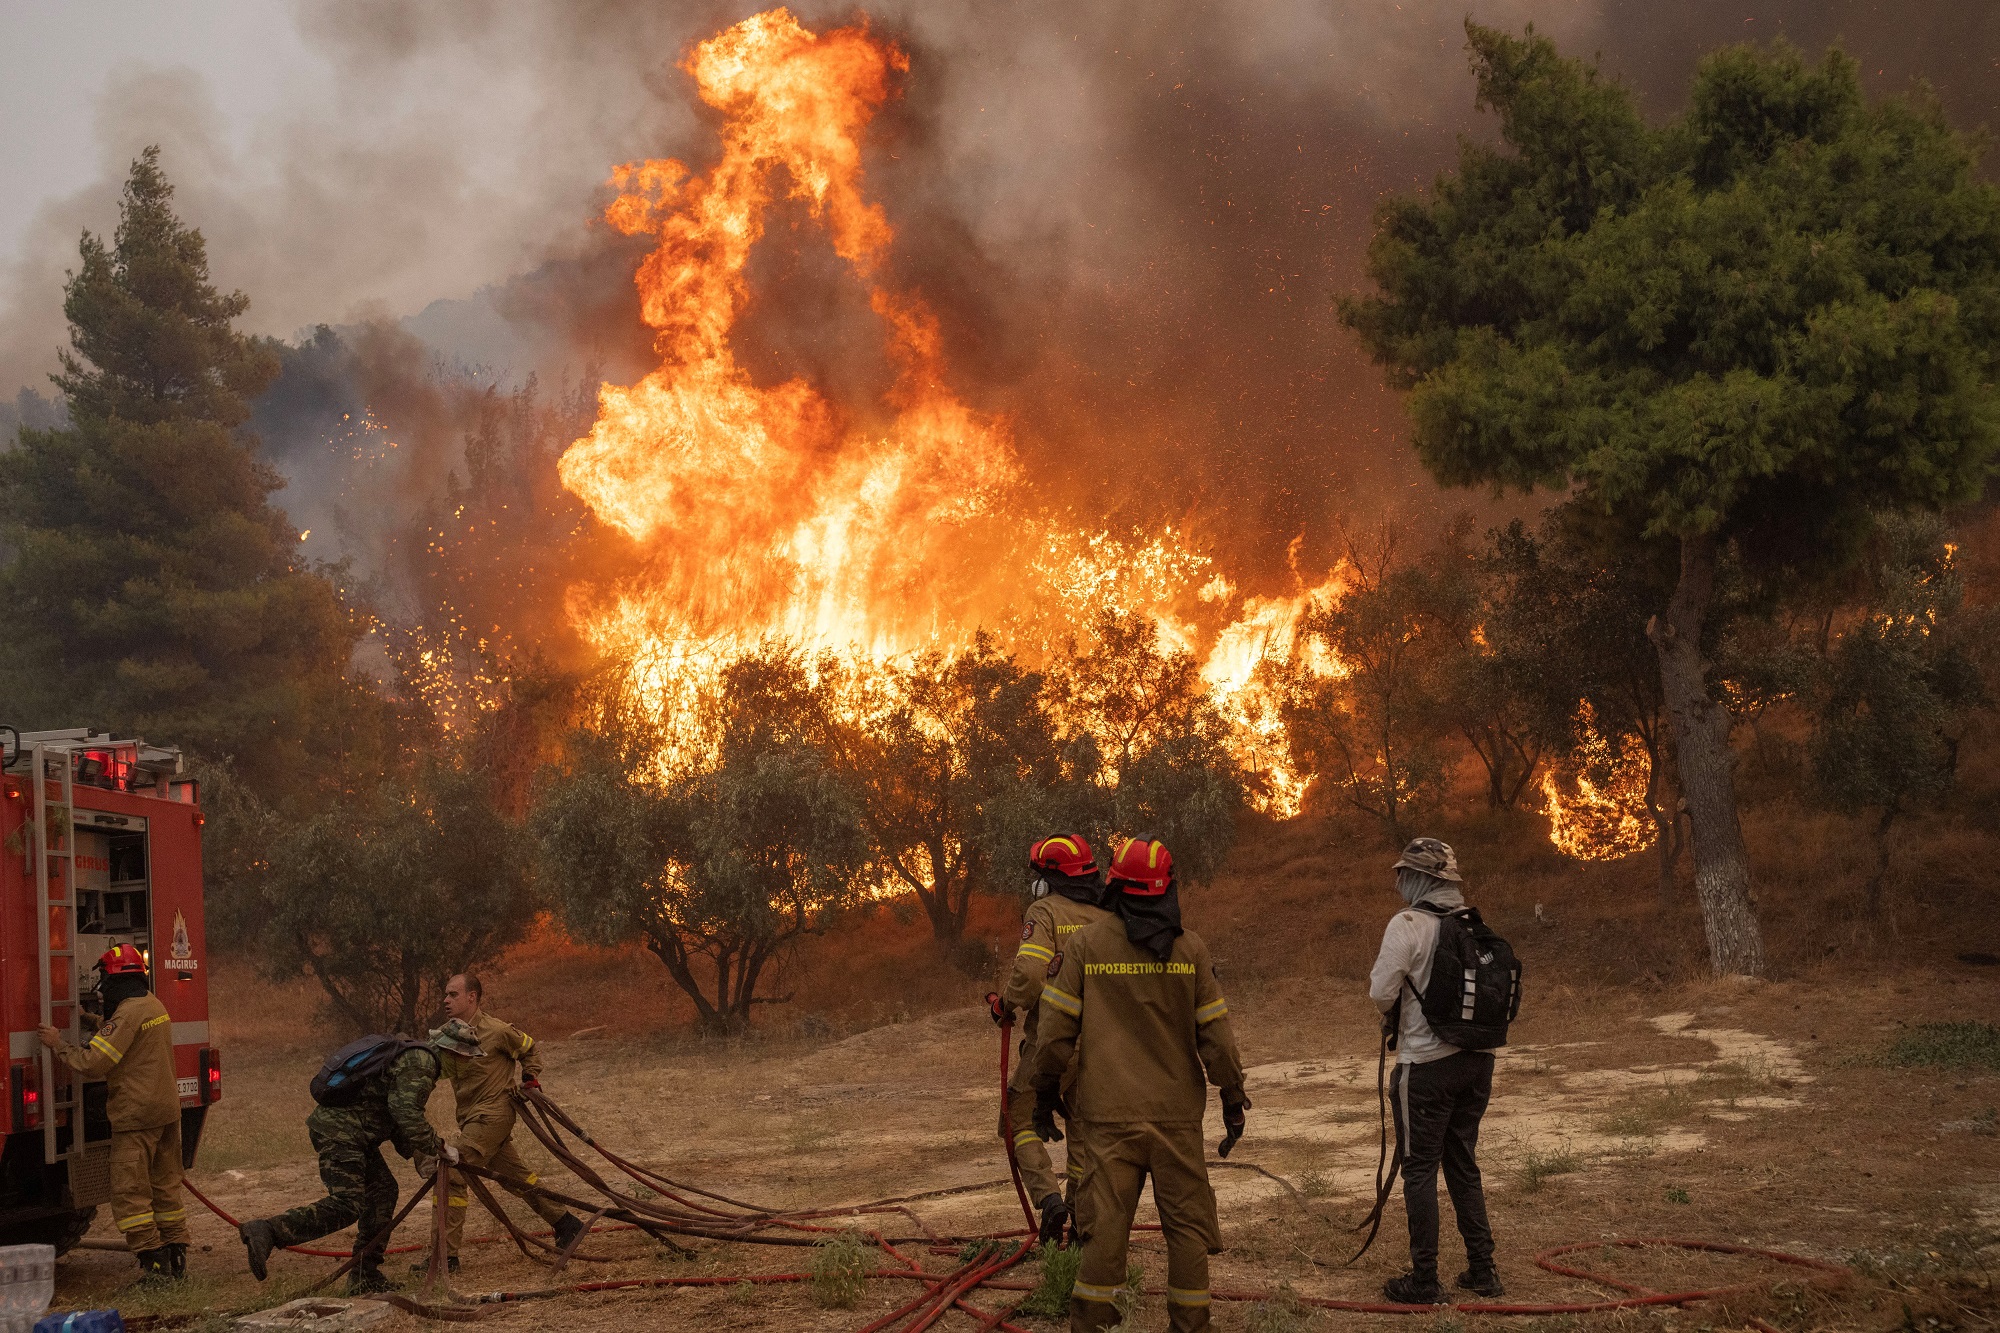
[(719, 867), (388, 892)]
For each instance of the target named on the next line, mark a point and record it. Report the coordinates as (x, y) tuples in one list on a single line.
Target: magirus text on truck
[(100, 845)]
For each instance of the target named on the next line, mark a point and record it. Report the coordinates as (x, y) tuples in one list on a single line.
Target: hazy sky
[(1133, 215)]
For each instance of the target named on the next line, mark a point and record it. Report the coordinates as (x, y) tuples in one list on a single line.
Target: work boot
[(1055, 1217), (367, 1278), (259, 1238), (1410, 1289), (568, 1228), (423, 1265), (156, 1265), (1485, 1281), (177, 1259)]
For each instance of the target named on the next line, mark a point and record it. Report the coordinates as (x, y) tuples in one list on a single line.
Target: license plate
[(188, 1087)]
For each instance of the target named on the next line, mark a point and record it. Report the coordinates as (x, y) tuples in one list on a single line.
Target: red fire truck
[(100, 844)]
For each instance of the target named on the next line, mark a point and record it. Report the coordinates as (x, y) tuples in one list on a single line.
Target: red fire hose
[(1007, 1119)]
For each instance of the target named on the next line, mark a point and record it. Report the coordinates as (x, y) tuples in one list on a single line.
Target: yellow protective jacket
[(1143, 1031), (133, 1052), (481, 1084), (1046, 927)]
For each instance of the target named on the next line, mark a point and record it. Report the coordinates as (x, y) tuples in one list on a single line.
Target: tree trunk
[(1664, 831), (1881, 861), (1707, 768)]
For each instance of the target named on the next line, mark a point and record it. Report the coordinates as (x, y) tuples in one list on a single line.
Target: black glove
[(1002, 1014), (1046, 1104), (1234, 1104)]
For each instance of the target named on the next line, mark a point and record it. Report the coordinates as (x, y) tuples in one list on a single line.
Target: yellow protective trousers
[(146, 1201), (487, 1140), (1120, 1158)]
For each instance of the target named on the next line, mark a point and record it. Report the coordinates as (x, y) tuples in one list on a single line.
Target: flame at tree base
[(1600, 813)]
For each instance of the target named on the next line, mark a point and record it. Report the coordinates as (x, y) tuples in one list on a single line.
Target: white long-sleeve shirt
[(1408, 946)]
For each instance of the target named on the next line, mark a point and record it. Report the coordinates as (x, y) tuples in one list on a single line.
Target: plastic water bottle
[(27, 1285)]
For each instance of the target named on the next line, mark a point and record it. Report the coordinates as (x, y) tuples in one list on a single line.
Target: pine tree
[(150, 585), (1744, 332)]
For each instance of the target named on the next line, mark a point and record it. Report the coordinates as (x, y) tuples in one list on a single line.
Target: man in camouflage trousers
[(1136, 1002), (481, 1056), (360, 1189), (1068, 896)]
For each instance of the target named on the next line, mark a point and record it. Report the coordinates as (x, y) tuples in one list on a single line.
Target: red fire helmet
[(1063, 854), (1143, 867), (123, 960)]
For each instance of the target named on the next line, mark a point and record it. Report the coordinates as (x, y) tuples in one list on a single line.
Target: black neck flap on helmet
[(118, 987), (1088, 889)]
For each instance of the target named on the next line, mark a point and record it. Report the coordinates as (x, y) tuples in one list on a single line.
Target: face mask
[(1039, 889)]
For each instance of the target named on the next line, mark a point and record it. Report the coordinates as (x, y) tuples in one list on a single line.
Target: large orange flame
[(758, 516), (759, 512)]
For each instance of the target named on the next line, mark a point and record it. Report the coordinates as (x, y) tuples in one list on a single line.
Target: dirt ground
[(1751, 1113)]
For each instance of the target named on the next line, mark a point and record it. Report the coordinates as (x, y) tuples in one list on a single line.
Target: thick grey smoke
[(1133, 215)]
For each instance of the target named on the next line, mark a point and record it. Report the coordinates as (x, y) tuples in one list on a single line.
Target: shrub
[(840, 1271)]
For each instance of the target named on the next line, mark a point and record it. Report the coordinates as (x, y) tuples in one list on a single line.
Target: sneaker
[(423, 1265), (259, 1238), (1485, 1281), (1055, 1217), (1409, 1289), (568, 1228)]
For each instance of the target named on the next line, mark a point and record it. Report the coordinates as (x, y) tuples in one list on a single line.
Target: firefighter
[(1439, 1092), (1068, 896), (360, 1189), (1134, 998), (133, 1052), (481, 1057)]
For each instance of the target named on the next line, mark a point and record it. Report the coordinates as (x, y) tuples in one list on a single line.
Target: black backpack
[(345, 1072), (1475, 986)]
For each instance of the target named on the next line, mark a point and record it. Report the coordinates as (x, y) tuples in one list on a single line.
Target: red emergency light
[(111, 769), (27, 1098)]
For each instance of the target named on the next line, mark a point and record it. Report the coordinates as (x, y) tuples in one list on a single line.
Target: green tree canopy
[(1755, 325), (150, 584), (390, 891), (959, 769), (1900, 684), (719, 868)]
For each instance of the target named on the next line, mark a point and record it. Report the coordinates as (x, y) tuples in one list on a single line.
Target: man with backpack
[(1442, 976), (370, 1092)]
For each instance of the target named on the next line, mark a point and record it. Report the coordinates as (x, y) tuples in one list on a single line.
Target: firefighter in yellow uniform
[(481, 1055), (133, 1052), (1068, 896), (1135, 999)]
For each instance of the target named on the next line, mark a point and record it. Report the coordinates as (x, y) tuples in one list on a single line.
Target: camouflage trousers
[(360, 1189)]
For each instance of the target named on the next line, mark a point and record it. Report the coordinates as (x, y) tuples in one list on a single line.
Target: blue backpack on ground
[(341, 1078), (82, 1321)]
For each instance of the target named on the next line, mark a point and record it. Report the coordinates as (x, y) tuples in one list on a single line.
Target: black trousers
[(1438, 1108)]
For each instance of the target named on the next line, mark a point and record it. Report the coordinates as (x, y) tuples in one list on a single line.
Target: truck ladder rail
[(46, 909)]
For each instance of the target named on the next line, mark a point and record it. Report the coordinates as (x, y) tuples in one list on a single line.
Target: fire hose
[(686, 1210)]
